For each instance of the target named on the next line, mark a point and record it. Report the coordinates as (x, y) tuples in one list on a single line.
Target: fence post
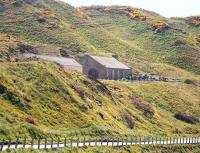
[(84, 141), (122, 141), (2, 144), (113, 142), (101, 140), (32, 141), (78, 142), (107, 141), (39, 143), (45, 143), (89, 140), (58, 141), (96, 141), (131, 140), (24, 144), (16, 143), (140, 140), (117, 141), (160, 140), (51, 142), (65, 142), (126, 140), (136, 140), (9, 143), (71, 143)]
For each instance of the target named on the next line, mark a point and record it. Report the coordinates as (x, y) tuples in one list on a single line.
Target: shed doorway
[(93, 73)]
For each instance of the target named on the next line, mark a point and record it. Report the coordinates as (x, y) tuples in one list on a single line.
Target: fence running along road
[(4, 145)]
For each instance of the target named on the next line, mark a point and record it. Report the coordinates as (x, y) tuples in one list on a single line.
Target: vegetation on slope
[(42, 99), (142, 35), (156, 38)]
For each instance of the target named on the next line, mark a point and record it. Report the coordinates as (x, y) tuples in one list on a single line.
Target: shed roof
[(60, 60), (109, 62)]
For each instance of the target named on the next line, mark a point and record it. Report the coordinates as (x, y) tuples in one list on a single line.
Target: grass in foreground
[(42, 100), (126, 149)]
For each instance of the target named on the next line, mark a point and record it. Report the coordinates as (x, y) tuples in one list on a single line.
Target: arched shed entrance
[(93, 73)]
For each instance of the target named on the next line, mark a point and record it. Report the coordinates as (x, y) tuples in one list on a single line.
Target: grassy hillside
[(39, 99), (137, 36), (147, 36)]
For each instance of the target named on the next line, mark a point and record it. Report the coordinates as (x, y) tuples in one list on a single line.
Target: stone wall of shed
[(88, 63), (117, 74), (103, 72)]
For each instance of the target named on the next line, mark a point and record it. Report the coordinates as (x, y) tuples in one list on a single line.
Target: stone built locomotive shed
[(99, 67), (96, 67)]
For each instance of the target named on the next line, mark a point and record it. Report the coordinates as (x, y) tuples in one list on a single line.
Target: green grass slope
[(137, 36), (41, 99), (155, 38)]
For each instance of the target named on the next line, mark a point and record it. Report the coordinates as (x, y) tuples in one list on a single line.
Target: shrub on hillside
[(17, 3), (78, 90), (30, 121), (129, 121), (64, 52), (188, 81), (197, 38), (2, 7), (160, 26), (10, 96), (101, 115), (24, 48), (186, 118), (194, 20), (147, 109), (41, 19), (135, 14), (179, 43)]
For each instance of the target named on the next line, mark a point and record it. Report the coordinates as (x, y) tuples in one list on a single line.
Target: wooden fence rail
[(78, 142)]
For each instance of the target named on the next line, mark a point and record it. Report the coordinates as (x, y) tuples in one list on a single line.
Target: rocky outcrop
[(160, 27), (194, 20), (135, 14)]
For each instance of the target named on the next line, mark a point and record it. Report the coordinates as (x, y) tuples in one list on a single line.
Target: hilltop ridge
[(143, 35)]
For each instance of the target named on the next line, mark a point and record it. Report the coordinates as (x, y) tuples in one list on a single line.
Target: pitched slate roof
[(109, 62), (68, 62)]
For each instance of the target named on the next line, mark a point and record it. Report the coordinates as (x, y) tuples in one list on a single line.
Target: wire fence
[(58, 142)]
